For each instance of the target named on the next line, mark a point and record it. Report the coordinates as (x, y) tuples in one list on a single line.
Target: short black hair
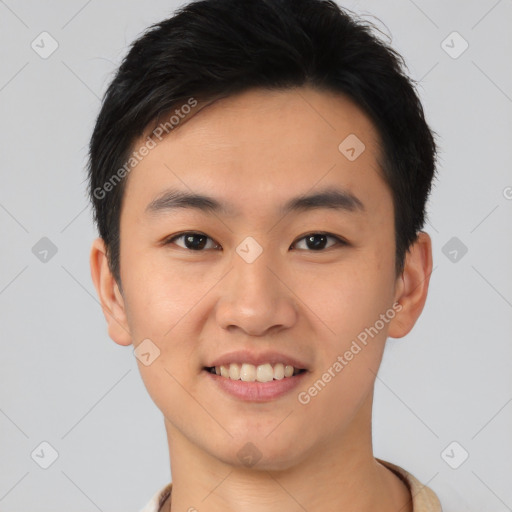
[(216, 48)]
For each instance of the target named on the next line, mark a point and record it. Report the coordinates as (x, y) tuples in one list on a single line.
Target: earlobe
[(412, 286), (111, 299)]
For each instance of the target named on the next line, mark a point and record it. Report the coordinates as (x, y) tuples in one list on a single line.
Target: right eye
[(192, 240)]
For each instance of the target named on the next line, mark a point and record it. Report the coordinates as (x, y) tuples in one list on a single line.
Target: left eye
[(318, 241)]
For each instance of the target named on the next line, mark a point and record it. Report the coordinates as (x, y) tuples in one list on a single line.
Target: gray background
[(64, 382)]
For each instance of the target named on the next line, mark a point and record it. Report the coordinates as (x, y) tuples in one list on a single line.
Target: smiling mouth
[(250, 373)]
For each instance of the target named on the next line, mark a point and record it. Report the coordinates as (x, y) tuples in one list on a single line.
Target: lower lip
[(257, 391)]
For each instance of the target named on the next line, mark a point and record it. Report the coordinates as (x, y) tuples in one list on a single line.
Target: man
[(259, 172)]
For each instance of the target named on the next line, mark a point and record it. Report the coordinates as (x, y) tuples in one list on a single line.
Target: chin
[(259, 454)]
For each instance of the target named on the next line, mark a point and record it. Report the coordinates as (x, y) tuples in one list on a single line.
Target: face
[(288, 258)]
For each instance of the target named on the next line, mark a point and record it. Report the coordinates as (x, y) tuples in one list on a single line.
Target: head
[(256, 106)]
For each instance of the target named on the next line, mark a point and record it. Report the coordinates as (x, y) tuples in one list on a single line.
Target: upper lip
[(242, 356)]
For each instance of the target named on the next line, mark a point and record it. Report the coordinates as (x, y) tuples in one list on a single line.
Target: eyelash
[(339, 241)]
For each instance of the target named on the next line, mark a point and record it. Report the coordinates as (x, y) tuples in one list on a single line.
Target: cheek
[(163, 307), (352, 299), (161, 295), (350, 357)]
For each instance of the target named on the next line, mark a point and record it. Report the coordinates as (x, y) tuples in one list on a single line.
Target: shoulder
[(156, 502), (423, 498)]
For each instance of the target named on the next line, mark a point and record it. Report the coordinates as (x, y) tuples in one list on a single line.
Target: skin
[(255, 151)]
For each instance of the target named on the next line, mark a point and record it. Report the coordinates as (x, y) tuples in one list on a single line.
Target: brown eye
[(193, 241), (319, 241)]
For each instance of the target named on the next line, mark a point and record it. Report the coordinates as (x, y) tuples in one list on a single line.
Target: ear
[(111, 299), (412, 286)]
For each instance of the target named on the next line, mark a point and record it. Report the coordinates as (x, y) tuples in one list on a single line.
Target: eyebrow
[(333, 198)]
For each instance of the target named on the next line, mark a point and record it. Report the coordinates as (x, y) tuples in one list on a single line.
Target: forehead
[(260, 147)]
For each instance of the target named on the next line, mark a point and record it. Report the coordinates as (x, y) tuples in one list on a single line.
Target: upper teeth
[(250, 373)]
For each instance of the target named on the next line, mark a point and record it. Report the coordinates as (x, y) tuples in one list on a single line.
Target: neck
[(340, 473)]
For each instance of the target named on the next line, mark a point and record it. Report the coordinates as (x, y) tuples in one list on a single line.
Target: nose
[(254, 298)]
